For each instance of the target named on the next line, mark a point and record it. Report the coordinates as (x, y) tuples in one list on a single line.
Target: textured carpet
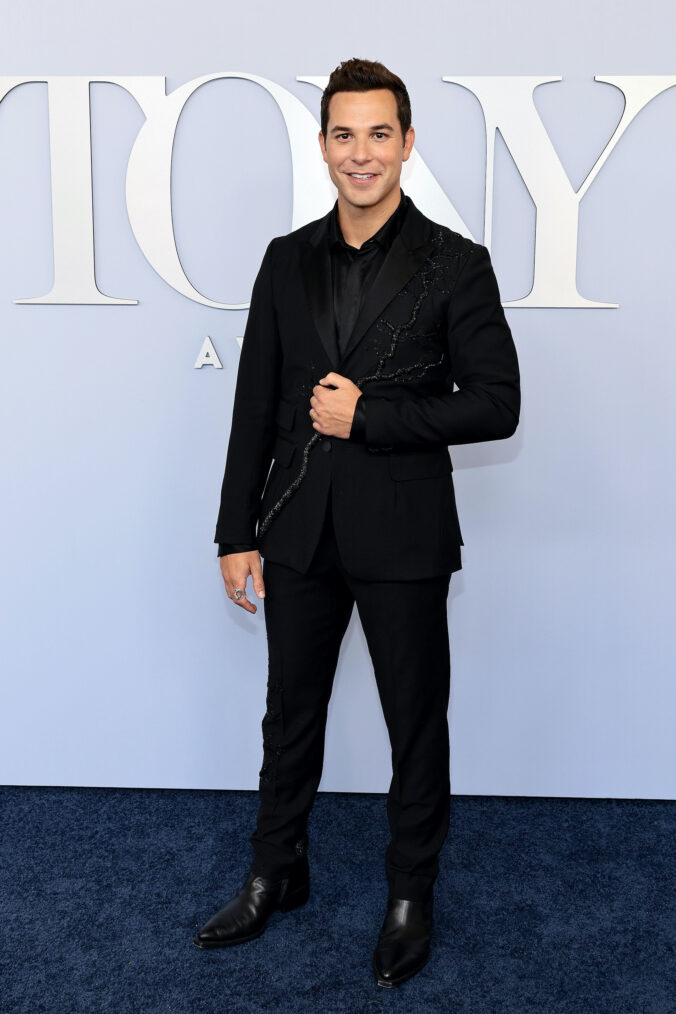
[(542, 905)]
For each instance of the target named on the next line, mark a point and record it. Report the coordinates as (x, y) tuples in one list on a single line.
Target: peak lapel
[(318, 282)]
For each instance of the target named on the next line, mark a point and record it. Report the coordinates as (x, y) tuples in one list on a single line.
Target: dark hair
[(357, 75)]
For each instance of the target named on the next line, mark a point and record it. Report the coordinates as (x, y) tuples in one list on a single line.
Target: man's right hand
[(235, 568)]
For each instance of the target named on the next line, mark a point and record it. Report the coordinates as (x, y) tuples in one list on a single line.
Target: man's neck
[(359, 224)]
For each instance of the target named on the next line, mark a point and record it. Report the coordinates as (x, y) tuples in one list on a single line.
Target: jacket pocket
[(283, 451), (419, 464), (286, 413)]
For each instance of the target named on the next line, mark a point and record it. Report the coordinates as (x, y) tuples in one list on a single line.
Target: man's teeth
[(362, 176)]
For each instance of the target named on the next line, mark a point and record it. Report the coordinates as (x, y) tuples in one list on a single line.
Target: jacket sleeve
[(358, 430), (226, 548), (252, 428), (483, 364)]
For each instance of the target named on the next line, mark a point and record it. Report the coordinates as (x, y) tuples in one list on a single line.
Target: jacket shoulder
[(299, 235), (451, 251), (453, 241)]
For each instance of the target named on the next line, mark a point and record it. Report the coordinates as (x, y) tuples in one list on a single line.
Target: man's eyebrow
[(378, 126)]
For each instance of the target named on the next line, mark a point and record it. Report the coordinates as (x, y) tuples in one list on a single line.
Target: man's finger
[(243, 601), (235, 575), (245, 604), (257, 578)]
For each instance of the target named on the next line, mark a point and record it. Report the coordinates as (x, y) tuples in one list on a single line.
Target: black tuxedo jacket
[(431, 319)]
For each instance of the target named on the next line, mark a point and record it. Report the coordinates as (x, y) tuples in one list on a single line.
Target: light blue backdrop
[(124, 663)]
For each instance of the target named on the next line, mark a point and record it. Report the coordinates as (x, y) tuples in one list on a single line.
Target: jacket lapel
[(316, 267), (406, 254)]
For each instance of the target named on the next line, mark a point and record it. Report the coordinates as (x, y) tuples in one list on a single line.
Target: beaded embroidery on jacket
[(438, 273)]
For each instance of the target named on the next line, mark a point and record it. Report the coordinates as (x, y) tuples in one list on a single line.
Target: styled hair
[(357, 75)]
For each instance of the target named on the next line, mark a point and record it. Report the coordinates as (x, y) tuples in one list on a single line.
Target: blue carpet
[(542, 905)]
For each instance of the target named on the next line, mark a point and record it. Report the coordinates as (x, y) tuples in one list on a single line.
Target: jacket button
[(326, 444)]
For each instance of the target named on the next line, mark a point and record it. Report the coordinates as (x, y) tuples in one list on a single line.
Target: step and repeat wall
[(149, 154)]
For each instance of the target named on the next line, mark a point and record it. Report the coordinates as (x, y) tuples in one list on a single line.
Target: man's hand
[(333, 406), (235, 568)]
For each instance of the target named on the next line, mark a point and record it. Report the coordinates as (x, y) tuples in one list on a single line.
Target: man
[(360, 325)]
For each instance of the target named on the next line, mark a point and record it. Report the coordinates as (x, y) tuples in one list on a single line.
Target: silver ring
[(239, 593)]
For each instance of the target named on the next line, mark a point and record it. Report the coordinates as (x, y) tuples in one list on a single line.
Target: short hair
[(357, 75)]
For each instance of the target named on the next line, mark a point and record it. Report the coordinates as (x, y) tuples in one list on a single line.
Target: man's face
[(363, 136)]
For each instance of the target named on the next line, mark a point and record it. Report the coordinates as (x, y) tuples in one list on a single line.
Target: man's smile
[(362, 178)]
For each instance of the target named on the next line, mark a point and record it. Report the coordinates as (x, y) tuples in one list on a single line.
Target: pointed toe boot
[(403, 946), (245, 915)]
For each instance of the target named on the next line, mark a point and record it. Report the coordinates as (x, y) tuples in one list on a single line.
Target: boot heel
[(296, 898)]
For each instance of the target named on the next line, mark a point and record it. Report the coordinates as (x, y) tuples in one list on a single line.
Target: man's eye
[(376, 133)]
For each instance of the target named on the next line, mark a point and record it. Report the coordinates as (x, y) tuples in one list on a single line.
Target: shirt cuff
[(233, 547), (358, 429)]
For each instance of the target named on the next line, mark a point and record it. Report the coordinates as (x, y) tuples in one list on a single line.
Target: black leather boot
[(245, 915), (403, 946)]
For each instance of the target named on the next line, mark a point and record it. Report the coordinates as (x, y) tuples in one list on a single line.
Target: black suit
[(432, 317), (371, 519)]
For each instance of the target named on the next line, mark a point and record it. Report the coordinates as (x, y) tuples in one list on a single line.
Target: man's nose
[(361, 153)]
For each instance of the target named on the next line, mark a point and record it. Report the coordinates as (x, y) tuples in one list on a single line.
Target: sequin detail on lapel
[(431, 274)]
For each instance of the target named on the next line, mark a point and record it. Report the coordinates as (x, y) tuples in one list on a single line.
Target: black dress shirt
[(353, 270)]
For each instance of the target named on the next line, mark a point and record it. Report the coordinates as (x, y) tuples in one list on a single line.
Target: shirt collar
[(383, 237)]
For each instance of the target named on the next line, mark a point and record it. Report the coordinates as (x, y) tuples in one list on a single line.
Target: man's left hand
[(333, 403)]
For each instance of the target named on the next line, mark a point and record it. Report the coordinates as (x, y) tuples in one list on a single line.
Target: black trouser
[(406, 629)]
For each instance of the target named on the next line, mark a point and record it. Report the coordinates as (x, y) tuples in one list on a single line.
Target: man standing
[(361, 323)]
